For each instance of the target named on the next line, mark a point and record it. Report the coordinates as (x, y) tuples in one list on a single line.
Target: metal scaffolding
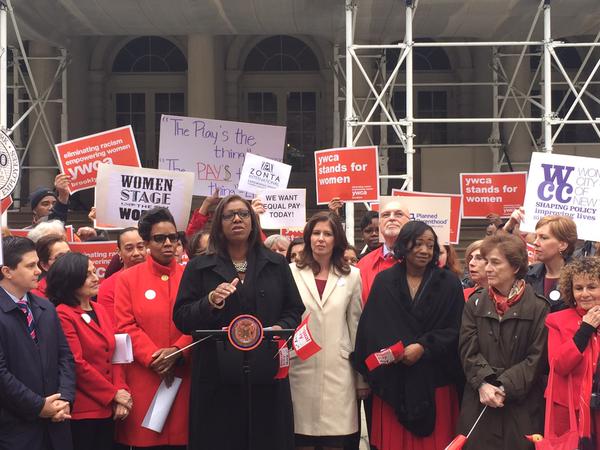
[(25, 91), (375, 110)]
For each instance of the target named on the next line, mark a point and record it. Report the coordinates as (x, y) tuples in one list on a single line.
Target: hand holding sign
[(221, 292), (61, 183)]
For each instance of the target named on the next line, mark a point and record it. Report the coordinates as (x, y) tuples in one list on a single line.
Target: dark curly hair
[(407, 239), (151, 218), (588, 266)]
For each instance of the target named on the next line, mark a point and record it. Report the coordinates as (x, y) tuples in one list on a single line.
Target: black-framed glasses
[(242, 214), (161, 238)]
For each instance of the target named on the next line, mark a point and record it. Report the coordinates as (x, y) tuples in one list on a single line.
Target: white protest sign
[(284, 208), (434, 211), (564, 185), (214, 150), (123, 193), (260, 173)]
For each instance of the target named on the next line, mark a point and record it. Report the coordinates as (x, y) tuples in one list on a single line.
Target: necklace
[(413, 287), (240, 267)]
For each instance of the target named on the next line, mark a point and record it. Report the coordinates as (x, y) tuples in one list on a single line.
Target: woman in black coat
[(237, 276)]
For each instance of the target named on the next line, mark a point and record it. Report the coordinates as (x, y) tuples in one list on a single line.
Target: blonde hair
[(562, 228), (476, 245)]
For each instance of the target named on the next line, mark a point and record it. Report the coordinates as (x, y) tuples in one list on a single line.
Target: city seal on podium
[(245, 332), (9, 165)]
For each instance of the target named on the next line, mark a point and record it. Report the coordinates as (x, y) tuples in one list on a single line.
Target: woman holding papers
[(238, 276), (144, 299), (503, 351), (406, 346), (102, 395), (325, 386)]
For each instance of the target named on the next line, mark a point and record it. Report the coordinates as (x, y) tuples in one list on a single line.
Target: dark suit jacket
[(29, 372)]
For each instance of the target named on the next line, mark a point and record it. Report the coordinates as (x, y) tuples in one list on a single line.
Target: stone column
[(40, 150), (97, 79), (78, 98), (201, 76)]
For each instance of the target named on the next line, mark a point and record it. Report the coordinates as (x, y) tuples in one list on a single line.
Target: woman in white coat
[(325, 386)]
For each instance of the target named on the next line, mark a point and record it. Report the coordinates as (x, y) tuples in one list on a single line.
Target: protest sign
[(124, 193), (19, 233), (564, 185), (292, 233), (352, 174), (434, 211), (6, 203), (260, 173), (455, 205), (99, 252), (79, 158), (70, 233), (283, 208), (492, 193), (214, 150)]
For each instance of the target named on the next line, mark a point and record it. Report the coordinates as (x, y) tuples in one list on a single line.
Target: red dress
[(144, 299), (389, 434)]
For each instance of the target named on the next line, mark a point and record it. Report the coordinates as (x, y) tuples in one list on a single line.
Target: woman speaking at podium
[(237, 276)]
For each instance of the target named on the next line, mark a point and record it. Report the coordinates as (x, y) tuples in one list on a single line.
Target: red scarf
[(502, 302)]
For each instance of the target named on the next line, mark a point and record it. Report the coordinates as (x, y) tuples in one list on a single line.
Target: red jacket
[(196, 223), (92, 345), (40, 291), (144, 299), (562, 326), (370, 265), (106, 294)]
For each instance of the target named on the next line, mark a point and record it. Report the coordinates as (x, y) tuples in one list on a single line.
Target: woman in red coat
[(144, 299), (573, 348), (101, 394)]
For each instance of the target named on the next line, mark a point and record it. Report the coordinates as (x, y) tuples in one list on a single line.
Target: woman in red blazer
[(573, 347), (102, 395), (144, 299)]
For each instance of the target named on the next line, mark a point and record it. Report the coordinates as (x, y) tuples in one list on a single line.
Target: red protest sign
[(5, 203), (80, 157), (492, 193), (352, 174), (292, 233), (19, 233), (455, 205), (100, 253)]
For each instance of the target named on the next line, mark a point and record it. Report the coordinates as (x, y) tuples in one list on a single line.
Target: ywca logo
[(267, 166), (555, 184)]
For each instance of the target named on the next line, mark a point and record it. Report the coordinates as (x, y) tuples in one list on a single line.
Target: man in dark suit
[(37, 371)]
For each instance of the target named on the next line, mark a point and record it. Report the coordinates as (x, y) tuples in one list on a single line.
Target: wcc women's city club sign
[(564, 185)]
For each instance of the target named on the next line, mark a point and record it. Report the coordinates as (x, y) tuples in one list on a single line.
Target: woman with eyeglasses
[(475, 263), (144, 299), (238, 275)]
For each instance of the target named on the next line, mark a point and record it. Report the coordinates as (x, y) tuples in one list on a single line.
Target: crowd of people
[(502, 349)]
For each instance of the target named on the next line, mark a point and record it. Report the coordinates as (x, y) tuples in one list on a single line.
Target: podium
[(248, 354)]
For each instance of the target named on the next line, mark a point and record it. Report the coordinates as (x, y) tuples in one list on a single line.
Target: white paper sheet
[(159, 409), (123, 349)]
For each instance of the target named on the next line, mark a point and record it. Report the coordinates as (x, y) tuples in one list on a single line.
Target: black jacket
[(31, 371), (535, 278), (217, 408)]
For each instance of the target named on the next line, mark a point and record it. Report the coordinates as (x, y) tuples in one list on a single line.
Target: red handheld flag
[(303, 343), (457, 443), (284, 359), (385, 356)]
